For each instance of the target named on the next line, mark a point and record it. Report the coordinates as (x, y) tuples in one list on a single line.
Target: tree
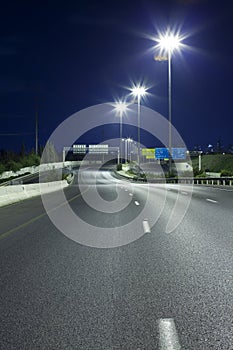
[(14, 166), (22, 150), (2, 168), (50, 154)]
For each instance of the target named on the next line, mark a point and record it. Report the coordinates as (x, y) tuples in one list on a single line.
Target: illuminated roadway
[(162, 291)]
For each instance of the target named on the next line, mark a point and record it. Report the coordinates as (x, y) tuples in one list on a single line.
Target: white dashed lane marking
[(146, 226), (136, 203), (131, 194), (211, 200), (185, 193), (168, 337)]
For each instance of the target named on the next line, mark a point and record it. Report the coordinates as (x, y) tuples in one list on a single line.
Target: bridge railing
[(211, 181)]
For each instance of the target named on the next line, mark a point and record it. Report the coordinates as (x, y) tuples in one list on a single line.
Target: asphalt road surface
[(167, 290)]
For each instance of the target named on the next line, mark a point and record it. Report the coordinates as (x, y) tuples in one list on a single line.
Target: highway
[(166, 289)]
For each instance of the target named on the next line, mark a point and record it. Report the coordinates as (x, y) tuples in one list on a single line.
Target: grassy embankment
[(216, 163)]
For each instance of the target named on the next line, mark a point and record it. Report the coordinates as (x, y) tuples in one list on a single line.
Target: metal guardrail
[(18, 180), (219, 181), (213, 181)]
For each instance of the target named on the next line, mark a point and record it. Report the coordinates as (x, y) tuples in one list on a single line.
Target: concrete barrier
[(16, 193), (36, 169)]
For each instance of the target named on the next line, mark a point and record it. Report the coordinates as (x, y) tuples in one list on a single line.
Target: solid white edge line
[(136, 202), (168, 337), (220, 189), (211, 200), (146, 226)]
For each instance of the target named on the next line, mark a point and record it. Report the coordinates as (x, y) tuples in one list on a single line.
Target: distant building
[(210, 149)]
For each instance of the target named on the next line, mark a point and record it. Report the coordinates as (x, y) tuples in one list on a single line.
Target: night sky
[(63, 56)]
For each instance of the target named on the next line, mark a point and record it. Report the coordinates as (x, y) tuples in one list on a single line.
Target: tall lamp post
[(120, 108), (169, 43), (199, 160), (139, 91), (36, 125), (129, 140)]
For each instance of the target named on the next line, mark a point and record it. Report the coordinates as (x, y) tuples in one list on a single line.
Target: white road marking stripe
[(136, 202), (126, 190), (183, 192), (131, 194), (146, 226), (211, 200), (168, 337)]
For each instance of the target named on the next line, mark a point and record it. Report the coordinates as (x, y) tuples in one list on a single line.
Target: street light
[(120, 107), (199, 160), (169, 43), (139, 91), (129, 140)]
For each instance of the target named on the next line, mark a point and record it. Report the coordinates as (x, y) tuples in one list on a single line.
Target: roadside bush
[(196, 171), (142, 175), (14, 166), (226, 173), (30, 160), (11, 161), (201, 175), (119, 167), (2, 168)]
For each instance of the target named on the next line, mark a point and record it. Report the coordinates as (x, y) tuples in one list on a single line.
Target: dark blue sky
[(73, 54)]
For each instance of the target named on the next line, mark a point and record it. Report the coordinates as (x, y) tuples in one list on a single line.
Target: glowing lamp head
[(121, 107), (138, 91), (169, 42)]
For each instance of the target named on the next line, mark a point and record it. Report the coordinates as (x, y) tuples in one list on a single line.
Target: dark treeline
[(11, 160)]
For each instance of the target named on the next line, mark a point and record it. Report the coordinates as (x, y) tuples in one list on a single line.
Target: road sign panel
[(149, 153), (79, 149), (98, 149), (179, 153), (161, 153)]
